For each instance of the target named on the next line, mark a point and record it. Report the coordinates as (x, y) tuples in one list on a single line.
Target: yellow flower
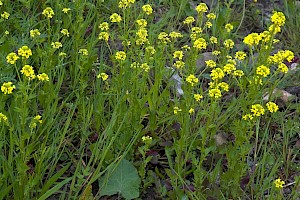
[(5, 15), (247, 117), (103, 36), (192, 79), (215, 93), (208, 24), (43, 77), (189, 20), (211, 16), (2, 117), (65, 32), (228, 68), (164, 37), (201, 8), (211, 63), (11, 58), (6, 32), (142, 23), (240, 55), (213, 40), (217, 73), (66, 10), (197, 97), (7, 87), (48, 12), (38, 118), (216, 53), (1, 3), (24, 51), (176, 110), (278, 18), (228, 27), (145, 67), (272, 107), (84, 52), (103, 76), (179, 64), (120, 55), (252, 39), (34, 32), (115, 18), (28, 71), (263, 70), (186, 47), (228, 43), (282, 68), (279, 183), (147, 9), (175, 35), (62, 54), (238, 73), (104, 26), (123, 4), (200, 44), (147, 139), (191, 110), (178, 54), (150, 49), (224, 86), (56, 45), (257, 110)]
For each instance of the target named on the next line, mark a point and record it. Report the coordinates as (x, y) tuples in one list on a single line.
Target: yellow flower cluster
[(5, 15), (24, 51), (34, 32), (43, 77), (279, 183), (197, 97), (120, 55), (240, 55), (7, 87), (56, 45), (123, 4), (272, 107), (179, 64), (211, 63), (263, 71), (189, 20), (175, 35), (163, 37), (147, 9), (12, 58), (217, 73), (84, 52), (142, 35), (278, 18), (115, 18), (257, 110), (48, 12), (103, 36), (211, 16), (201, 8), (200, 44), (2, 117), (142, 23), (228, 43), (65, 32), (176, 110), (229, 27), (66, 10), (36, 119), (178, 54), (192, 79), (103, 76), (28, 71), (147, 139)]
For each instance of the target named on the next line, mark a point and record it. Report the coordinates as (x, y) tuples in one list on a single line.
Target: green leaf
[(122, 179)]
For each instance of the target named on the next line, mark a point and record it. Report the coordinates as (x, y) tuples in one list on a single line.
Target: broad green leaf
[(121, 179)]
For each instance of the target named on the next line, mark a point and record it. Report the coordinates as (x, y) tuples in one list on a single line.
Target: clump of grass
[(82, 91)]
